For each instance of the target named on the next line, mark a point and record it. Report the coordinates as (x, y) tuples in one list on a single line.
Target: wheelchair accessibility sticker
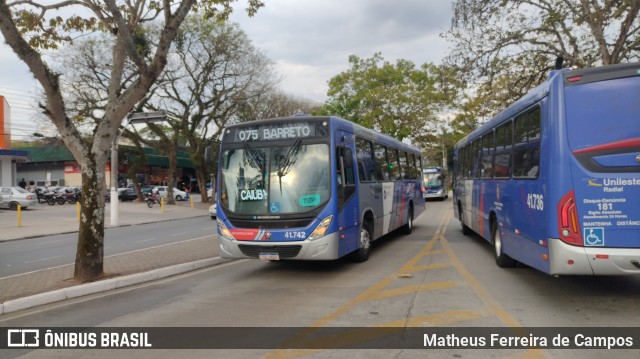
[(594, 237), (275, 207)]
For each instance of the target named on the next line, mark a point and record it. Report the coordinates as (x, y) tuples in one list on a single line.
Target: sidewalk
[(43, 220), (54, 284)]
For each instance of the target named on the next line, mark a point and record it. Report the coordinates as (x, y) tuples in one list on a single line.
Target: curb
[(59, 295)]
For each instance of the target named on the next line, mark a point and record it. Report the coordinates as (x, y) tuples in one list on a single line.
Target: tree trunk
[(172, 154), (201, 176), (89, 253), (202, 183)]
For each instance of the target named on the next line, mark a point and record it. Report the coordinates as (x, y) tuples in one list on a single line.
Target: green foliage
[(400, 100)]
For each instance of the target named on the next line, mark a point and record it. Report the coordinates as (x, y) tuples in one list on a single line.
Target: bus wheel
[(362, 253), (408, 228), (502, 260), (465, 230)]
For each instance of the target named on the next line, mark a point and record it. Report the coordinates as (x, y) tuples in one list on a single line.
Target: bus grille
[(270, 224), (283, 251)]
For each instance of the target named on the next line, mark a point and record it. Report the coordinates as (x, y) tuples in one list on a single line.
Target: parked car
[(177, 194), (210, 193), (212, 211), (127, 194), (12, 196), (107, 194)]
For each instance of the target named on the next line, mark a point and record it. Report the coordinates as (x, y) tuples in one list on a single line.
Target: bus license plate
[(269, 256)]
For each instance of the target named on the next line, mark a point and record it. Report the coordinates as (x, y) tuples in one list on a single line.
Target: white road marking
[(42, 259)]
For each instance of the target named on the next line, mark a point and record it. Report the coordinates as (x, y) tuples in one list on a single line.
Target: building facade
[(55, 166)]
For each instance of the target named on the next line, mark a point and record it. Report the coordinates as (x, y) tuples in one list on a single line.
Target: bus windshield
[(271, 181), (432, 180)]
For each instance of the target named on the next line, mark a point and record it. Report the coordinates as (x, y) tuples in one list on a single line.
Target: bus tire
[(408, 228), (502, 260), (364, 246), (465, 230)]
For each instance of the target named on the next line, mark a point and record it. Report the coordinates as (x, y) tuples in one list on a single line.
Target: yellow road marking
[(487, 298), (345, 339), (362, 297), (427, 267), (413, 289), (377, 291)]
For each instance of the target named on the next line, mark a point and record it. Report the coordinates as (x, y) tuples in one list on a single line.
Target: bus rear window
[(603, 112)]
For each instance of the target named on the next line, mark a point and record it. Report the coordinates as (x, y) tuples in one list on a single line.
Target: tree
[(517, 41), (29, 27), (214, 73), (398, 99), (276, 103)]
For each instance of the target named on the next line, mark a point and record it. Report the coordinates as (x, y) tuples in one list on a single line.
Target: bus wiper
[(285, 163), (255, 160)]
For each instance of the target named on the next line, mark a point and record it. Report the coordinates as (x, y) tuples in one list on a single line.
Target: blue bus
[(553, 181), (313, 188), (434, 180)]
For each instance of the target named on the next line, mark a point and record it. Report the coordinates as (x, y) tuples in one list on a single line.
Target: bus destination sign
[(276, 131)]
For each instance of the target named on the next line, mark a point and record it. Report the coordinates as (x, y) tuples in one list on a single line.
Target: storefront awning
[(19, 156)]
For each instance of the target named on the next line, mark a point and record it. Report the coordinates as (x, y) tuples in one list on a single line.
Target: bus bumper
[(324, 248), (436, 194), (572, 260)]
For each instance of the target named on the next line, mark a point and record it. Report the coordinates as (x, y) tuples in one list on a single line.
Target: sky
[(309, 42)]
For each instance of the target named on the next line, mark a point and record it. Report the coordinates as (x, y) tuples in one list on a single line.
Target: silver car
[(12, 196)]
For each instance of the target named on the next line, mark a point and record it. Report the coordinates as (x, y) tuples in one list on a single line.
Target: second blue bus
[(553, 181)]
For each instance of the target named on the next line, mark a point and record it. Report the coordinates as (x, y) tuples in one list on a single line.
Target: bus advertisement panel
[(312, 188), (553, 180)]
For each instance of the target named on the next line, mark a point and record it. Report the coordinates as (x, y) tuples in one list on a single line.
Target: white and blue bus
[(434, 181), (313, 188), (553, 181)]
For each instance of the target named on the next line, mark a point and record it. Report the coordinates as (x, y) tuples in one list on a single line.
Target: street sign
[(147, 117)]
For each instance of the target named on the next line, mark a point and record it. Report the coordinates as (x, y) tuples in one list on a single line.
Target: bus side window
[(502, 157), (392, 159), (412, 167), (382, 169), (527, 145), (366, 164), (404, 168), (476, 158), (487, 155)]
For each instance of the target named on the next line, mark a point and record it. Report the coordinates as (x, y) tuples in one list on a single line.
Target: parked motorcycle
[(70, 195), (152, 198), (45, 196)]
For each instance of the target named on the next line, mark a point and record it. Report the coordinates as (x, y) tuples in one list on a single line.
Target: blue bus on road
[(553, 181), (434, 180), (313, 188)]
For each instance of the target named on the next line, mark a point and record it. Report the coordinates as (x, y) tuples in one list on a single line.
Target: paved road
[(23, 256), (435, 277)]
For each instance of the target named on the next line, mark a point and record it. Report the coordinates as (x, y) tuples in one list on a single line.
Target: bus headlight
[(321, 229), (224, 231)]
